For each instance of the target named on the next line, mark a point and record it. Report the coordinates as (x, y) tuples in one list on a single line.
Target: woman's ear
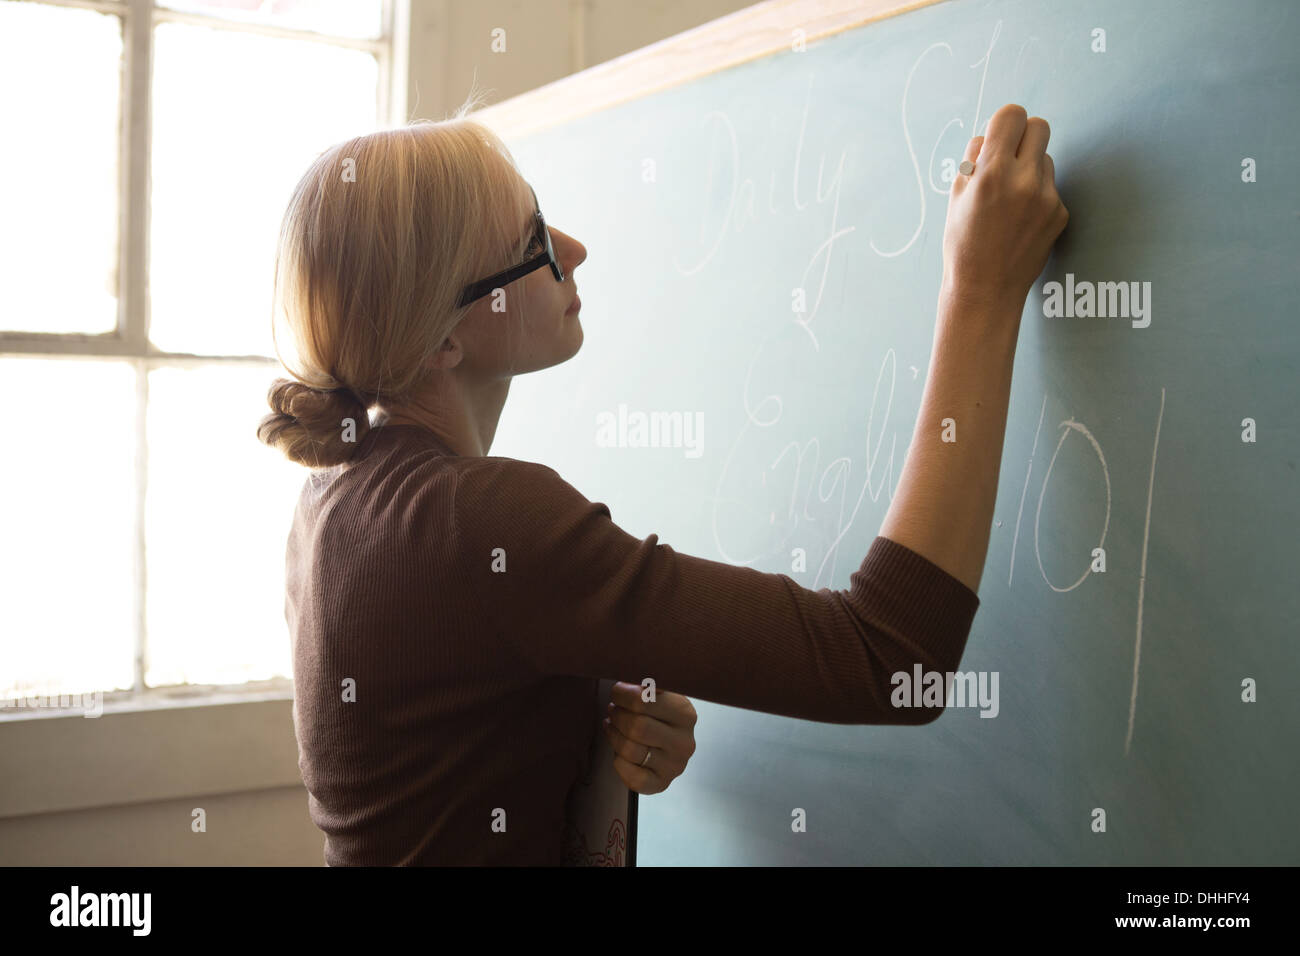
[(447, 355)]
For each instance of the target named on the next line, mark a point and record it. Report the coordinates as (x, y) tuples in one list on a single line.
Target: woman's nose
[(572, 253)]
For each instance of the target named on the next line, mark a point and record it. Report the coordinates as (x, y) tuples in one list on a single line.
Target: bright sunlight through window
[(144, 536)]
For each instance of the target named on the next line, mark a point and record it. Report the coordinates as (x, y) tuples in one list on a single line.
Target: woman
[(451, 611)]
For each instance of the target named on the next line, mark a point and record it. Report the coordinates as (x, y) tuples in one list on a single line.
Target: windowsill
[(163, 744), (157, 698)]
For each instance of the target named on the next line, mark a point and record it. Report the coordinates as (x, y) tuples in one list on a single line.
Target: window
[(148, 152)]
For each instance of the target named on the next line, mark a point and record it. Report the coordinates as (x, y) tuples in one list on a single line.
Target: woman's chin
[(578, 336)]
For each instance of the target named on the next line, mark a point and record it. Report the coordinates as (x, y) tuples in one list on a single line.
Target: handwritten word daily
[(741, 211), (1102, 300)]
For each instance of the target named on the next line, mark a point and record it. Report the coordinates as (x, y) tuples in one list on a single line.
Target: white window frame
[(133, 717)]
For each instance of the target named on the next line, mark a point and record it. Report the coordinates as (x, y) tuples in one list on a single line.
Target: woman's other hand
[(665, 728)]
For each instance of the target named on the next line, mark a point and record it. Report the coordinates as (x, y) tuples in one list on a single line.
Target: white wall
[(546, 40)]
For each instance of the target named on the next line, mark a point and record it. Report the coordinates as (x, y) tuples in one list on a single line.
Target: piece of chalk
[(966, 167)]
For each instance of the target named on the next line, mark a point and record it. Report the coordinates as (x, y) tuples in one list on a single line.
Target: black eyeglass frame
[(484, 286)]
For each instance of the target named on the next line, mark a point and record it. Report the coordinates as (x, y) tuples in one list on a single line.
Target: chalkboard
[(764, 257)]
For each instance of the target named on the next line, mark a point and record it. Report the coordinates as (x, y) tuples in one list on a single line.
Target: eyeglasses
[(547, 257)]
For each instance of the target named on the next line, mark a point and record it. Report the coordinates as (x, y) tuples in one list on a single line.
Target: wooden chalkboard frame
[(718, 45)]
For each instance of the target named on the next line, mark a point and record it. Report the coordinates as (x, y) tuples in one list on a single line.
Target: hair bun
[(313, 426)]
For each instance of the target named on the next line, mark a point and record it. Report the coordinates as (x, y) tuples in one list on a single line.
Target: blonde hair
[(380, 238)]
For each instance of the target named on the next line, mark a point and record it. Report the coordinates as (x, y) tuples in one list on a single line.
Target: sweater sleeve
[(571, 593)]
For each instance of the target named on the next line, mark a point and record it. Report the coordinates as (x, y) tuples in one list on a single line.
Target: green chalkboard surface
[(764, 255)]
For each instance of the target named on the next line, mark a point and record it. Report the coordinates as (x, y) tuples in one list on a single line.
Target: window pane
[(66, 529), (349, 18), (237, 121), (60, 70), (219, 508)]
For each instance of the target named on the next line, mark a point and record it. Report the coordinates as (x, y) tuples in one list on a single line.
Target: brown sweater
[(474, 688)]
